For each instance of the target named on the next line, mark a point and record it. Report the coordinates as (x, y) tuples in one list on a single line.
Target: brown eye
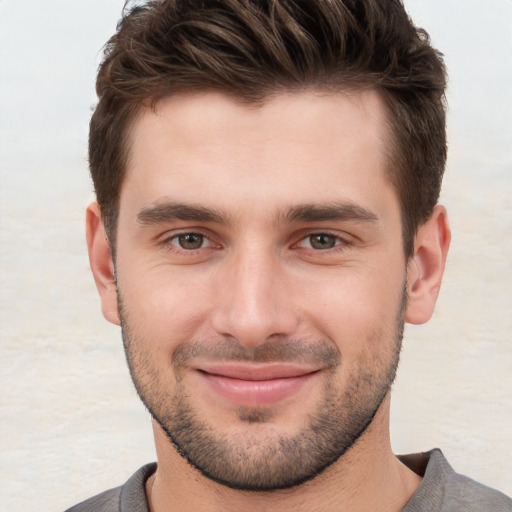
[(190, 241), (322, 241)]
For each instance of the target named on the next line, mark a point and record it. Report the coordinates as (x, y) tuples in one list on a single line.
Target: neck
[(367, 477)]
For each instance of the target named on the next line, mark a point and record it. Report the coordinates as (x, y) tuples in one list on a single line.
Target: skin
[(260, 279)]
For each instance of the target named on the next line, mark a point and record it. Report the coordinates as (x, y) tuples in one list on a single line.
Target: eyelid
[(341, 241), (168, 239)]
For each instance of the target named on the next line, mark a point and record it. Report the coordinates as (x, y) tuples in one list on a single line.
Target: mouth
[(255, 386)]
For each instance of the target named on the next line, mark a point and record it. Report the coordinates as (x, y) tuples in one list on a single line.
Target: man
[(267, 176)]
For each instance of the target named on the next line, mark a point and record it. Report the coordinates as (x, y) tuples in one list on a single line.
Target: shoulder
[(130, 496), (444, 490), (463, 493), (107, 501)]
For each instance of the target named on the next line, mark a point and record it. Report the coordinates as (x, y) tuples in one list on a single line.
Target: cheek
[(357, 309), (163, 308)]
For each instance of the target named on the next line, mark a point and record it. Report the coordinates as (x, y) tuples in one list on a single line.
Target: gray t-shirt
[(441, 490)]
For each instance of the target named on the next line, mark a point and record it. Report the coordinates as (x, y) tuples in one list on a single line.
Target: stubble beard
[(262, 459)]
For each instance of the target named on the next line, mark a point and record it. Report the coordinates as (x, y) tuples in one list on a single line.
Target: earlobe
[(102, 265), (426, 267)]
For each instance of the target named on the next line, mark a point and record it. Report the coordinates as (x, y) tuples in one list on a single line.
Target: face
[(260, 278)]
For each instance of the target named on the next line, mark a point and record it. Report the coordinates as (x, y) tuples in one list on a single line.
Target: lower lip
[(255, 393)]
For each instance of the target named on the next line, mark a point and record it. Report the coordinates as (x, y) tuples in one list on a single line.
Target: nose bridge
[(252, 304)]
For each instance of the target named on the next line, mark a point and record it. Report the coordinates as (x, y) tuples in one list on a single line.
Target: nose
[(252, 302)]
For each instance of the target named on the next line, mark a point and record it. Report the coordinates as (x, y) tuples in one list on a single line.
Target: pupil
[(191, 241), (322, 241)]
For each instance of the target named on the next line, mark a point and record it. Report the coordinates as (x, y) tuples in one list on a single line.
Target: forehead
[(209, 148)]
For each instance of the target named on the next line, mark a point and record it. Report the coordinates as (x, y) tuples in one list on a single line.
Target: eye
[(189, 241), (320, 241)]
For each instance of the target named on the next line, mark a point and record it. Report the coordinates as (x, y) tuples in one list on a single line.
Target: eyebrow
[(331, 211), (170, 211)]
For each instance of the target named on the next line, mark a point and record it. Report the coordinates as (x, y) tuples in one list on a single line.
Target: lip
[(255, 386)]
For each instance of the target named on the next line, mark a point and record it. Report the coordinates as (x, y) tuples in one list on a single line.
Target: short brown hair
[(252, 49)]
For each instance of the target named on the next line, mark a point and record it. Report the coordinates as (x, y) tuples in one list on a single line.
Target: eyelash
[(168, 242), (340, 242), (171, 243)]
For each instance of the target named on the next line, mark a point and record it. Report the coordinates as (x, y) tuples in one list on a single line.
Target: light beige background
[(71, 424)]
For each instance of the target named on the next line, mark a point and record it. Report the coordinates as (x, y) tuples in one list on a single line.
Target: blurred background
[(71, 424)]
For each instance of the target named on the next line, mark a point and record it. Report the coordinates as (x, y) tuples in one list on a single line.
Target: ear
[(102, 265), (425, 269)]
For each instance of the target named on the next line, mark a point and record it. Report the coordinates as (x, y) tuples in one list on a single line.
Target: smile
[(255, 386)]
